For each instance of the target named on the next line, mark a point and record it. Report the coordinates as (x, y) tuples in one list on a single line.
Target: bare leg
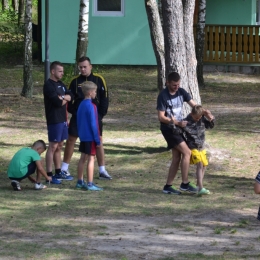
[(81, 164), (69, 148), (50, 155), (90, 168), (100, 153), (185, 160), (199, 174), (57, 156), (176, 157)]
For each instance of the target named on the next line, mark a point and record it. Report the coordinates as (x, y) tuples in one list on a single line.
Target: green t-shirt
[(19, 163)]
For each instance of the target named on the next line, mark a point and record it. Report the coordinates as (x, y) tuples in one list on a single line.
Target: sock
[(167, 186), (64, 166), (90, 183), (185, 184), (102, 168), (80, 181), (57, 171), (49, 174), (38, 183)]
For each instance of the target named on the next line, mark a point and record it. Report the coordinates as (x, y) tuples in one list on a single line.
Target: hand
[(208, 115), (60, 97), (182, 123), (49, 178)]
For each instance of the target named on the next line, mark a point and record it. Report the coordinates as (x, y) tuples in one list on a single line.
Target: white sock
[(64, 166), (102, 168)]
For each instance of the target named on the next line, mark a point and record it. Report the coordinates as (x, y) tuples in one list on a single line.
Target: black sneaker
[(16, 185), (171, 190), (188, 187)]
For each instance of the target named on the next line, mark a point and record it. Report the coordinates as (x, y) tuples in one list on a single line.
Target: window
[(108, 7)]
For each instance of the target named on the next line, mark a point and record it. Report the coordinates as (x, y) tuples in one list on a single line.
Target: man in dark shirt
[(101, 101), (56, 96)]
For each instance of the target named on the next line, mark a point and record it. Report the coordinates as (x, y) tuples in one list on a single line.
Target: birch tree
[(179, 46), (27, 68), (200, 41), (156, 32), (82, 41), (15, 5), (5, 5)]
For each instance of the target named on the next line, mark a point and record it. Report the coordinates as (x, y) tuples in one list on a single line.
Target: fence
[(231, 44)]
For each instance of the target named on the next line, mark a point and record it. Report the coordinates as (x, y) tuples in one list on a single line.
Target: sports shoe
[(189, 187), (39, 186), (83, 186), (171, 190), (66, 172), (53, 181), (93, 187), (203, 191), (104, 176), (62, 176), (16, 185)]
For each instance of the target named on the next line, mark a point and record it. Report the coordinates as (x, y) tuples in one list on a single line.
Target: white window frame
[(108, 13)]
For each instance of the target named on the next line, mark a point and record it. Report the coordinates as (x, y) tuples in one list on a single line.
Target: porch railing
[(232, 44)]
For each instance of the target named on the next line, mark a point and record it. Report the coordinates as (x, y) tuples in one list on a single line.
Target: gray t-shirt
[(172, 104)]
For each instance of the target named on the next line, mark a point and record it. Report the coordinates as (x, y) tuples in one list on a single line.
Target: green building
[(118, 29)]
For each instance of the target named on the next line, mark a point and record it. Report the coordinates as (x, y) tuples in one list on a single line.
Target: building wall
[(124, 40), (112, 40), (235, 12)]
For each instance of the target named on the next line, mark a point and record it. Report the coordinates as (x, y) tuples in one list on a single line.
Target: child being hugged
[(197, 121), (88, 131)]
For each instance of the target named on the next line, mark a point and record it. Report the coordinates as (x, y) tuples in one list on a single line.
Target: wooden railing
[(232, 44)]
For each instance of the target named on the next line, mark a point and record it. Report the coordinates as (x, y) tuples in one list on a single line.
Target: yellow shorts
[(199, 156)]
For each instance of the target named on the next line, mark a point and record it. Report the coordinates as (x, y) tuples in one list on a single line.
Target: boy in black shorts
[(88, 131), (24, 163)]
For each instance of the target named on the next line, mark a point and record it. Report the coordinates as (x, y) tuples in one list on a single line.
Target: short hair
[(54, 64), (197, 110), (84, 58), (174, 76), (39, 143), (87, 86)]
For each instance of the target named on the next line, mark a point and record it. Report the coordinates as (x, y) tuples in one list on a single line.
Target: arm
[(166, 120), (42, 171)]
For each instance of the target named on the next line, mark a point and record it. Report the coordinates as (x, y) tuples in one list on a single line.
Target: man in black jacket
[(101, 102), (56, 96)]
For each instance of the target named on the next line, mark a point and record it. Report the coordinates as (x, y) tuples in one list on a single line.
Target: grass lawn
[(132, 218)]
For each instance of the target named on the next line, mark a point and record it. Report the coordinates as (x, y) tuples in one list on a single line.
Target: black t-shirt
[(55, 112)]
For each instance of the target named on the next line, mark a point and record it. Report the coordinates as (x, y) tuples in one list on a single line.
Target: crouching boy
[(24, 163)]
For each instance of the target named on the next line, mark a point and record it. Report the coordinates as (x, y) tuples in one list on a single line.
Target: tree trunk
[(191, 62), (21, 13), (15, 5), (5, 5), (157, 40), (27, 69), (200, 41), (82, 42)]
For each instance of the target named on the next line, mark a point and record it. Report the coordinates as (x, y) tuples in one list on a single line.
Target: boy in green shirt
[(24, 163)]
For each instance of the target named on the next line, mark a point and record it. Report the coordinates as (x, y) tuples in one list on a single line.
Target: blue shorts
[(31, 170), (88, 148), (58, 132)]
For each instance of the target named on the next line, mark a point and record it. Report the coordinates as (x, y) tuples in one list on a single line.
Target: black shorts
[(172, 139), (31, 170), (73, 129), (88, 148)]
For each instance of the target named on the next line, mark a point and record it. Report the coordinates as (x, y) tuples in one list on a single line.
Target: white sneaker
[(104, 176), (39, 186), (66, 172)]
